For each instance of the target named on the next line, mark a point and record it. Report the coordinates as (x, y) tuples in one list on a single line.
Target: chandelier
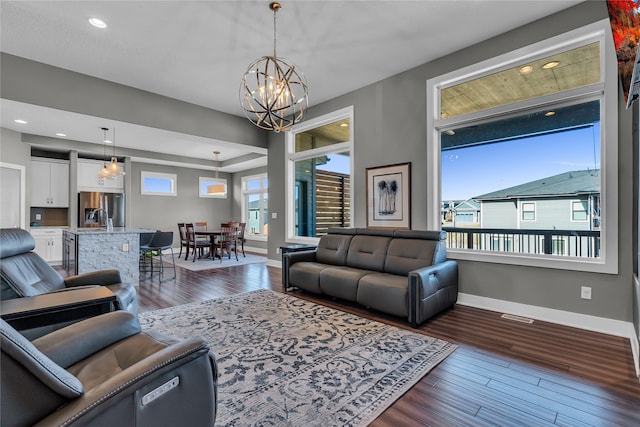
[(218, 188), (113, 169), (273, 91)]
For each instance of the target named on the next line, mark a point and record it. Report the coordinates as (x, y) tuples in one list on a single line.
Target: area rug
[(208, 264), (287, 361)]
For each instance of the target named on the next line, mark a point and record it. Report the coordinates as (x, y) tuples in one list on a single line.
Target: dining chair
[(241, 238), (195, 243), (184, 242), (227, 240)]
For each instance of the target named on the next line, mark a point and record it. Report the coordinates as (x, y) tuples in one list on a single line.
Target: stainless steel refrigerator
[(94, 208)]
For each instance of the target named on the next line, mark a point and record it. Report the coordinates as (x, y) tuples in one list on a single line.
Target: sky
[(472, 171)]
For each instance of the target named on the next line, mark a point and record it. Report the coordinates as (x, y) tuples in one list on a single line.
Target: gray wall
[(40, 84), (164, 212), (390, 127)]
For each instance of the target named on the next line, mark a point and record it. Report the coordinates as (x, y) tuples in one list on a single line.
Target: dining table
[(212, 235)]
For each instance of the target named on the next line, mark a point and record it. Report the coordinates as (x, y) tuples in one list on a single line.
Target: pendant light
[(114, 167), (217, 189), (273, 91), (104, 171)]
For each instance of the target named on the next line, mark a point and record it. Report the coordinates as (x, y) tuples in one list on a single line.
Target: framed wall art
[(388, 196)]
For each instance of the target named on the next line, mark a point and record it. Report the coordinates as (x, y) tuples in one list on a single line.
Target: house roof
[(565, 184)]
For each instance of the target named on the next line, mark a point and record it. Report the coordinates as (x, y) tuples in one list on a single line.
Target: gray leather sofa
[(400, 272), (24, 273), (104, 371)]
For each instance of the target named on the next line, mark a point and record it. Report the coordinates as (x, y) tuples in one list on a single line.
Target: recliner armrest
[(189, 361), (102, 277), (73, 343), (302, 256)]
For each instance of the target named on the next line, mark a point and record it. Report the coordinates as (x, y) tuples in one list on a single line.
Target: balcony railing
[(572, 243)]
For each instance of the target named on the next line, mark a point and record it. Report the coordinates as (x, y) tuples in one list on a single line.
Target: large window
[(319, 176), (524, 137), (255, 205)]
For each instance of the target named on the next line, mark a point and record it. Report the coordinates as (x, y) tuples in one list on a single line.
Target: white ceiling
[(197, 51)]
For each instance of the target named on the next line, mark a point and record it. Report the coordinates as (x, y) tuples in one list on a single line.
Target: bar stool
[(145, 240), (162, 240)]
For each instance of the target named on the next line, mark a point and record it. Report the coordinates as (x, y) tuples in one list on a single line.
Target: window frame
[(572, 211), (246, 192), (606, 91), (172, 177), (522, 211), (291, 157)]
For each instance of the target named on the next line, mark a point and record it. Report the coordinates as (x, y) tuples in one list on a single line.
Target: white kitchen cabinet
[(88, 177), (48, 244), (49, 183)]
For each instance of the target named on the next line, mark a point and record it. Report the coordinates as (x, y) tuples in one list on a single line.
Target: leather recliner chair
[(25, 274), (104, 371)]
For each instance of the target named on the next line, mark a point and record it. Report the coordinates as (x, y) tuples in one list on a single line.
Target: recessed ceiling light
[(344, 125), (61, 134), (526, 69), (549, 113), (22, 122), (551, 64), (106, 141), (450, 132), (98, 23)]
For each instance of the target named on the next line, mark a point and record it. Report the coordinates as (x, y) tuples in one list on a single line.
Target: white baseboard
[(255, 250), (274, 263), (576, 320)]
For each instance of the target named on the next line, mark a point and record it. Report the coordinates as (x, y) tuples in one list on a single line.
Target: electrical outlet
[(585, 292), (125, 247), (277, 250), (274, 215), (38, 217)]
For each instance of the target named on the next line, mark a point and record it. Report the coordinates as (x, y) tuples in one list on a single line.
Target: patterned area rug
[(209, 264), (286, 361)]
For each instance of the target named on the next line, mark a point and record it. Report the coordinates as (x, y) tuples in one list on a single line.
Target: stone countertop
[(100, 230)]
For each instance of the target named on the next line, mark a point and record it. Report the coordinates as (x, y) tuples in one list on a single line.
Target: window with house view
[(255, 205), (319, 176), (522, 144)]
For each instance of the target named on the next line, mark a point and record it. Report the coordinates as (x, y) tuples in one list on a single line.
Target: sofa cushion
[(368, 252), (385, 292), (341, 282), (405, 255), (306, 276), (333, 248)]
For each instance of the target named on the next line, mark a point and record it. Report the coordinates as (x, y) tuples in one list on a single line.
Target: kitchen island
[(92, 249)]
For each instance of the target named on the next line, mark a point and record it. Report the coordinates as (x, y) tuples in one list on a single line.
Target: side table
[(293, 248)]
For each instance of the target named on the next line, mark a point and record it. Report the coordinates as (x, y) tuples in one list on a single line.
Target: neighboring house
[(568, 201), (461, 213), (557, 215)]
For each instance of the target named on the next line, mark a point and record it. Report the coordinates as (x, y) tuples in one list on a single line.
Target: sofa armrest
[(290, 258), (431, 290), (73, 343), (301, 256), (102, 277)]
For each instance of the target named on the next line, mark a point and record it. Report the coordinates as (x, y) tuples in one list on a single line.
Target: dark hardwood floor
[(503, 372)]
